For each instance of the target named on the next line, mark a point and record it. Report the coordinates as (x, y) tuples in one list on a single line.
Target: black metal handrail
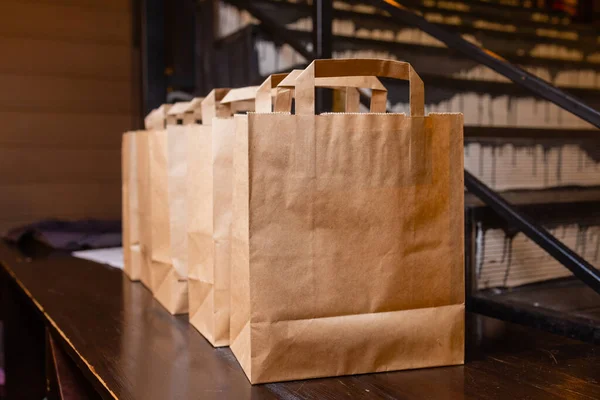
[(490, 59), (567, 257), (272, 26), (557, 249)]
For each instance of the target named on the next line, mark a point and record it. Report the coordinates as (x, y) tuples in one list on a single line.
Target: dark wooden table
[(127, 346)]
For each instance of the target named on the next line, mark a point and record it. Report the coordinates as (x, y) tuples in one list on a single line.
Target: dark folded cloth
[(70, 235)]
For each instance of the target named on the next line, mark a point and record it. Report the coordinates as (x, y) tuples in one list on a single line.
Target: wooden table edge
[(86, 368)]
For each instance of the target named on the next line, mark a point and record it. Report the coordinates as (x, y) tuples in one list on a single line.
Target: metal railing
[(558, 250), (586, 272), (488, 58)]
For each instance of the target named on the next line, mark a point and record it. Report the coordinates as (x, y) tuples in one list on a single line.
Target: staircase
[(539, 156)]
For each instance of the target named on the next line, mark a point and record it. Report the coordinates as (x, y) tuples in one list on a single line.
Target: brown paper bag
[(155, 122), (209, 208), (199, 201), (143, 177), (209, 281), (169, 275), (160, 249), (130, 218), (347, 236), (285, 88)]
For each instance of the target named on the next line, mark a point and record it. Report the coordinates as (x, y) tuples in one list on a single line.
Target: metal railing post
[(154, 86), (323, 45)]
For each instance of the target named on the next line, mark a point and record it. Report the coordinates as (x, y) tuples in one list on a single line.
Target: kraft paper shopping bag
[(347, 236), (130, 200), (170, 277), (149, 232)]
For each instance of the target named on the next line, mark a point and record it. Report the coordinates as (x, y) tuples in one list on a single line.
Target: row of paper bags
[(313, 245)]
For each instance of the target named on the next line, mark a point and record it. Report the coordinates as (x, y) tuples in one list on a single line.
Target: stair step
[(425, 57), (482, 86), (351, 42), (291, 12), (563, 306), (533, 16), (581, 79), (562, 295), (542, 196), (475, 133), (502, 259), (524, 163), (462, 85)]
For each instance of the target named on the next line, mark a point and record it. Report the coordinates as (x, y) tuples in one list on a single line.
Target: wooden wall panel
[(47, 165), (102, 5), (65, 22), (74, 198), (63, 130), (64, 94), (67, 97), (49, 57), (33, 202)]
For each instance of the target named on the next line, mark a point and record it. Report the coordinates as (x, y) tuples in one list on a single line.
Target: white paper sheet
[(112, 256)]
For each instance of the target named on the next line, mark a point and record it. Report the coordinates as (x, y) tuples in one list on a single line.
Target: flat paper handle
[(349, 84), (178, 112), (212, 107), (305, 83), (243, 94), (156, 119), (195, 107), (264, 94)]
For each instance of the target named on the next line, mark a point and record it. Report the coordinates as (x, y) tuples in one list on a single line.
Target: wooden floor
[(128, 347)]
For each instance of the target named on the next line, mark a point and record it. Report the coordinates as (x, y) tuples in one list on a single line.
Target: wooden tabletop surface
[(129, 347)]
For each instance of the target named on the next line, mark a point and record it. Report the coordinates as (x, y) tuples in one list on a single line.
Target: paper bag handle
[(156, 119), (349, 84), (211, 106), (305, 83), (186, 112), (264, 94), (242, 94), (261, 95)]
